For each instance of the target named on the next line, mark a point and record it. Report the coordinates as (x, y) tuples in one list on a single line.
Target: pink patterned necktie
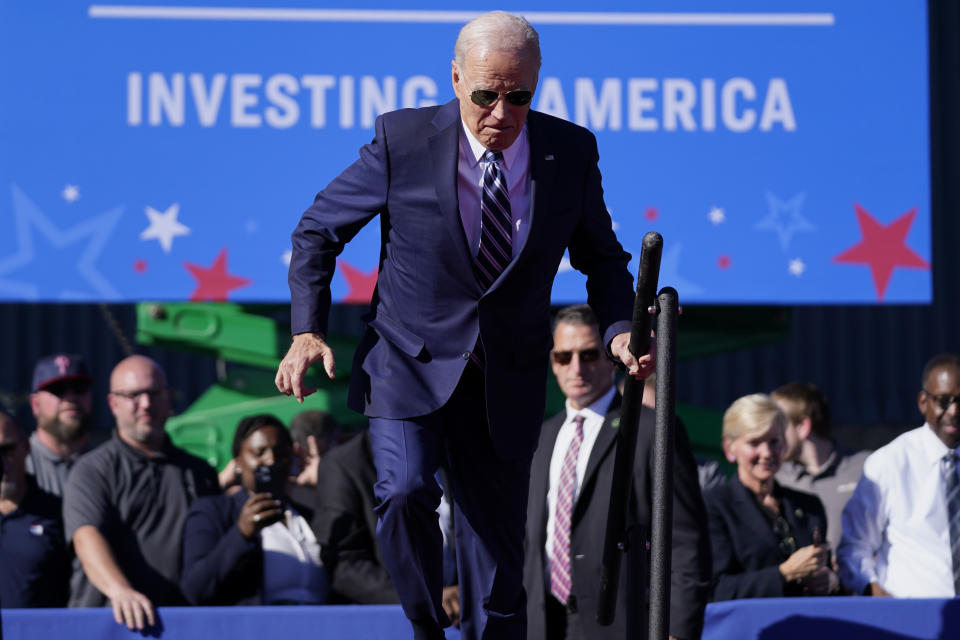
[(560, 556)]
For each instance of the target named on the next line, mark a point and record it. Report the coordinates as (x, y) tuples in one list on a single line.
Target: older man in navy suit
[(479, 198)]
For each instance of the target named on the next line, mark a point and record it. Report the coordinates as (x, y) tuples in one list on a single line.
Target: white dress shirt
[(895, 524), (515, 167), (594, 416), (292, 569)]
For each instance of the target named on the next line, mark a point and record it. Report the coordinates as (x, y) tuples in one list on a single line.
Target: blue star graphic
[(669, 277), (30, 220), (785, 218)]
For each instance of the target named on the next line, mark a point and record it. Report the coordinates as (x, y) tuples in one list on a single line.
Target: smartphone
[(263, 480)]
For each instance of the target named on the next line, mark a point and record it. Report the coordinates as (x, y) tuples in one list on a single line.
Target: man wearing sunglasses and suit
[(901, 527), (478, 201), (570, 495)]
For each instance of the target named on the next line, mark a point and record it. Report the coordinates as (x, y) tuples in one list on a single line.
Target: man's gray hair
[(498, 30)]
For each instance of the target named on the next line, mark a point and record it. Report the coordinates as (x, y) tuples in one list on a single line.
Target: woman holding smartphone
[(767, 540), (255, 546)]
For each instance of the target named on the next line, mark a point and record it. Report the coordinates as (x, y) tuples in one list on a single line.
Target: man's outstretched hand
[(640, 368), (306, 349)]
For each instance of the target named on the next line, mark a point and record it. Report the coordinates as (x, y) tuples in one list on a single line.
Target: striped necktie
[(560, 579), (496, 223), (952, 490)]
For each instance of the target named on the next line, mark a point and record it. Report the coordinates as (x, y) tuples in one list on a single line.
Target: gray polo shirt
[(48, 468), (833, 485), (139, 504)]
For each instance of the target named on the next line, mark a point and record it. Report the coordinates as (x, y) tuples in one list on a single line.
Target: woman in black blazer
[(767, 540), (254, 546)]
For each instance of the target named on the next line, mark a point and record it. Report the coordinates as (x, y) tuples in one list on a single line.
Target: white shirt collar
[(509, 154), (598, 409), (933, 446)]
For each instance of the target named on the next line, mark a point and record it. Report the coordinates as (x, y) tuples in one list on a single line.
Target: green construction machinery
[(248, 342)]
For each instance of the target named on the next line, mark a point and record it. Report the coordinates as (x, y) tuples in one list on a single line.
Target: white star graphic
[(286, 256), (70, 193), (785, 218), (27, 216), (717, 216), (797, 267), (251, 227), (164, 226)]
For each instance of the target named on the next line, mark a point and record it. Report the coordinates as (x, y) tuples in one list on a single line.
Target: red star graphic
[(140, 266), (652, 213), (883, 248), (724, 262), (214, 283), (361, 283)]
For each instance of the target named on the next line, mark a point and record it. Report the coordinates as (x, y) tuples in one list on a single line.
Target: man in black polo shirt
[(34, 565), (126, 502)]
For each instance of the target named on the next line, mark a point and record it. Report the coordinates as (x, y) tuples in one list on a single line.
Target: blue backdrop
[(158, 151)]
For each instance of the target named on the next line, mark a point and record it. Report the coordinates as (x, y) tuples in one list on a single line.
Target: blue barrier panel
[(165, 150), (373, 622), (758, 619), (853, 618)]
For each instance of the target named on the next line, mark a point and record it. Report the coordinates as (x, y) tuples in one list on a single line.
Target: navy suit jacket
[(746, 552), (690, 554), (428, 310), (220, 566)]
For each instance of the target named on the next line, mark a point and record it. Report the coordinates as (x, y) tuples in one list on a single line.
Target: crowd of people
[(454, 502), (137, 522)]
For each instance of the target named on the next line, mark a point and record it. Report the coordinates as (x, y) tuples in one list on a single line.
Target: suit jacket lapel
[(444, 149), (747, 505), (540, 471), (606, 439), (543, 173)]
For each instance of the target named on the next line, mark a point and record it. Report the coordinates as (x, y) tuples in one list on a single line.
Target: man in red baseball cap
[(61, 402)]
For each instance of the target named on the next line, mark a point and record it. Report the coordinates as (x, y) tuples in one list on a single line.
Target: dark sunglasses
[(486, 97), (943, 401), (60, 388), (587, 355)]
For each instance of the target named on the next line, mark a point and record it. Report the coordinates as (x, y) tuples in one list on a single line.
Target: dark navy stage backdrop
[(166, 151)]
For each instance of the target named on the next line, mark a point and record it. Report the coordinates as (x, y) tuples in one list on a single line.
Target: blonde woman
[(767, 540)]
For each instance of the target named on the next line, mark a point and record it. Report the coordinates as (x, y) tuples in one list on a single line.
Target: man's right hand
[(874, 589), (306, 349), (132, 608)]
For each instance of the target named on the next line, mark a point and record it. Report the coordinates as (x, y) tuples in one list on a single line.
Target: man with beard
[(61, 402)]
